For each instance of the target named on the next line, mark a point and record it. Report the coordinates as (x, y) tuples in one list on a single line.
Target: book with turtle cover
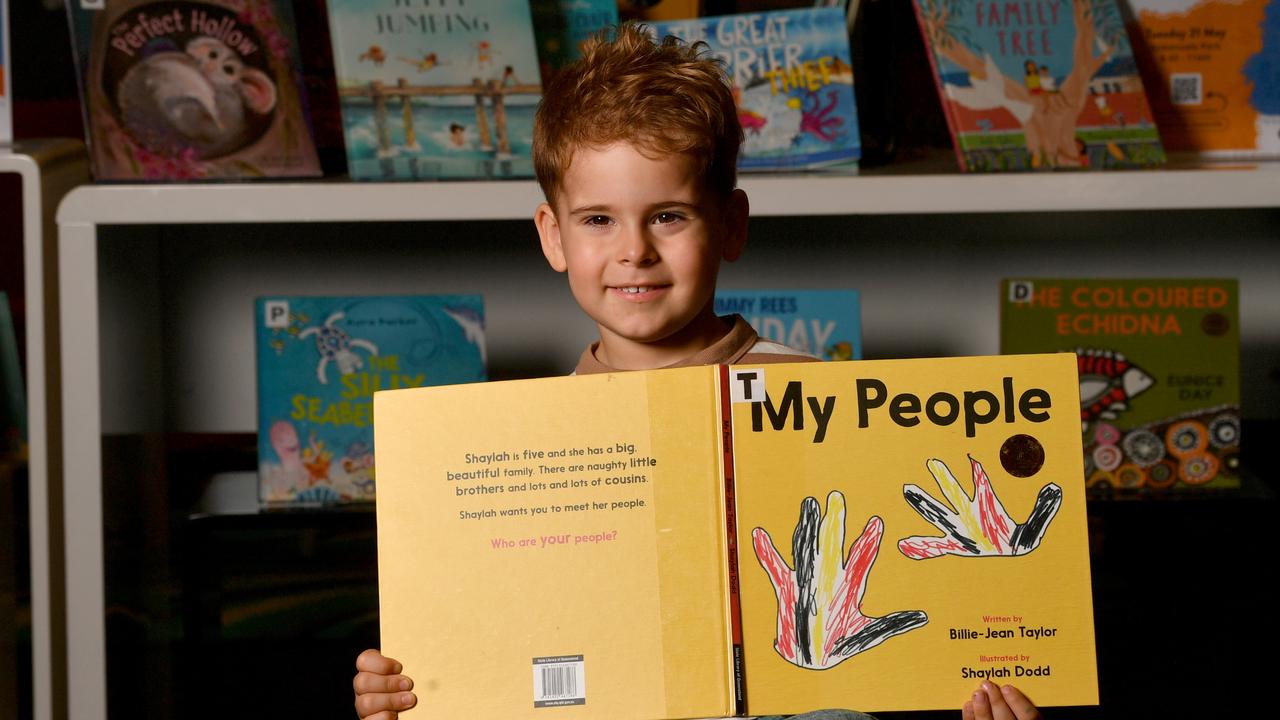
[(1159, 367), (792, 80), (440, 90), (824, 323), (1212, 69), (320, 359), (705, 541), (191, 89), (1039, 85)]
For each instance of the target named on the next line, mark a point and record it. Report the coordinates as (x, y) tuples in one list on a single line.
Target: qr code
[(559, 681), (1185, 88)]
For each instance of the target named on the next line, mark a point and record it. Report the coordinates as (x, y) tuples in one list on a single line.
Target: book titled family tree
[(1159, 375), (1212, 68), (321, 359), (1039, 85), (707, 541), (792, 80), (192, 89), (824, 323), (436, 89)]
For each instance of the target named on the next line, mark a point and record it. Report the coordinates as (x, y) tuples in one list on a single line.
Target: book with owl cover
[(1212, 69), (320, 359), (439, 90), (792, 81), (179, 90), (705, 541), (1159, 375), (1039, 85), (824, 323)]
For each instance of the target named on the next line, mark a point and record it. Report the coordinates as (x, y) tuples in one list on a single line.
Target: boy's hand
[(999, 703), (381, 691)]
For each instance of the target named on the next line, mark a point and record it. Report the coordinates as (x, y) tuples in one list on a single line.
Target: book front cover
[(192, 89), (554, 548), (792, 80), (909, 528), (1159, 366), (320, 360), (824, 323), (436, 89), (1039, 85)]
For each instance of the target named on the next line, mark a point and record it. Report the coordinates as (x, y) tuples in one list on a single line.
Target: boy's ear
[(549, 233), (736, 211)]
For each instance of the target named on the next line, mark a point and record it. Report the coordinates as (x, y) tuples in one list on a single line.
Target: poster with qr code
[(1212, 69)]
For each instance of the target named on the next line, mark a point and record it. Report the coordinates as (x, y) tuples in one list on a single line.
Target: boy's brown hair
[(663, 97)]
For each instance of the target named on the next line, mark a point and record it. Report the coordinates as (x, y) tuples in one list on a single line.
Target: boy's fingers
[(966, 712), (1022, 708), (373, 683), (999, 709), (375, 662), (371, 704)]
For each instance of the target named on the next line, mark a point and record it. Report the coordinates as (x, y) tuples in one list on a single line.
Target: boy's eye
[(666, 218), (598, 220)]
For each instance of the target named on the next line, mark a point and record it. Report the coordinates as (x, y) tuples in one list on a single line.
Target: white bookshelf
[(158, 281), (48, 170)]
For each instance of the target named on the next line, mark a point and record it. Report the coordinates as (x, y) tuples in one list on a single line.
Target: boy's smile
[(642, 240)]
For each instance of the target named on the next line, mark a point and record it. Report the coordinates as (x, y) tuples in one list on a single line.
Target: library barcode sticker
[(559, 680)]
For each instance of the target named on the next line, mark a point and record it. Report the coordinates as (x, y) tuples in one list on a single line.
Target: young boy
[(636, 147)]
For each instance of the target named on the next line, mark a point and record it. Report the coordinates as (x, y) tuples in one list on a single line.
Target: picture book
[(436, 90), (792, 80), (1212, 69), (191, 89), (823, 323), (1039, 85), (1159, 367), (560, 26), (320, 359), (706, 541), (6, 94)]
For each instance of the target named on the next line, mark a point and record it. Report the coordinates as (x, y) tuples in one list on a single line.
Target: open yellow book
[(709, 541)]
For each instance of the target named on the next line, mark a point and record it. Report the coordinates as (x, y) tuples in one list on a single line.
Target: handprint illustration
[(977, 526), (820, 620)]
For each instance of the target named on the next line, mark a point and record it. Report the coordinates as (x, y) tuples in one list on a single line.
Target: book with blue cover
[(440, 90), (320, 359), (823, 323), (793, 82), (562, 25)]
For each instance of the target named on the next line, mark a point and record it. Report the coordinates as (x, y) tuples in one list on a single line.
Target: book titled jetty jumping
[(707, 541)]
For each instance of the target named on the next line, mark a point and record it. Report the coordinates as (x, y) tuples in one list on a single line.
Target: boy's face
[(641, 240)]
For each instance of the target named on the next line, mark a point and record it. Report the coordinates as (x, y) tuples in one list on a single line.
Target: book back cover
[(554, 548), (824, 323)]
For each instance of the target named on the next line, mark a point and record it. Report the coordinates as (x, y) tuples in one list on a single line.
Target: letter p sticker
[(276, 314), (747, 385)]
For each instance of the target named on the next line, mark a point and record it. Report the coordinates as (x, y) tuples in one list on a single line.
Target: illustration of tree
[(1048, 119)]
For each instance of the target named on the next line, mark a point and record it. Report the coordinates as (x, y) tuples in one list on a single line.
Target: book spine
[(947, 110), (731, 543)]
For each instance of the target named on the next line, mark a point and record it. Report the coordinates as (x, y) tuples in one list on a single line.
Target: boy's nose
[(636, 248)]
